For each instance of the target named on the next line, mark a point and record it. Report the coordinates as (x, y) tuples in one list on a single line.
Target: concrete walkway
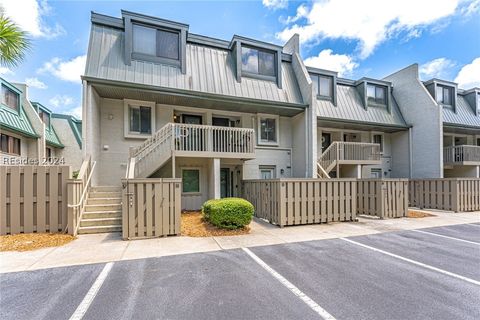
[(99, 248)]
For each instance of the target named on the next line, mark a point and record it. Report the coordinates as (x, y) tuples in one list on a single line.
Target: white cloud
[(61, 101), (35, 83), (328, 60), (76, 112), (275, 4), (5, 71), (469, 75), (65, 70), (30, 16), (471, 8), (437, 68), (370, 22)]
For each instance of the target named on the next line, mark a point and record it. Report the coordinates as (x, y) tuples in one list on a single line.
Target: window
[(322, 85), (268, 129), (376, 173), (267, 172), (376, 94), (139, 117), (259, 62), (190, 180), (45, 117), (156, 42), (444, 95), (9, 144), (10, 98), (378, 138), (478, 102), (48, 153)]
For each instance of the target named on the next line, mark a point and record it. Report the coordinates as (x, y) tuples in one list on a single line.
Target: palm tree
[(14, 42)]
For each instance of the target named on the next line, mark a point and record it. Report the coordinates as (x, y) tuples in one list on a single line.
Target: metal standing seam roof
[(17, 122), (350, 107), (208, 69), (464, 115), (51, 138)]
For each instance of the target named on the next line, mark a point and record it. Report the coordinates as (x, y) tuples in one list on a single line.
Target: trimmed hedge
[(228, 213)]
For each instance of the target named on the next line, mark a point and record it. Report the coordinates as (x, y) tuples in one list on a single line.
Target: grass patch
[(194, 225), (33, 241)]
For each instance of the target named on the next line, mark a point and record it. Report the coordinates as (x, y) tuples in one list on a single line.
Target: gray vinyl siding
[(210, 70)]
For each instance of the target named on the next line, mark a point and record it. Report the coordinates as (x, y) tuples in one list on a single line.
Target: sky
[(367, 38)]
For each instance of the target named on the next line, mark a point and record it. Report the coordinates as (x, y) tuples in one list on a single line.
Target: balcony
[(461, 155)]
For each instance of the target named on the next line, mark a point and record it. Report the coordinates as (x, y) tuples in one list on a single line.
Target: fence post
[(381, 199), (70, 211), (455, 195), (282, 200)]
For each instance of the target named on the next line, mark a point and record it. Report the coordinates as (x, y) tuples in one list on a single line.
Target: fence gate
[(151, 207)]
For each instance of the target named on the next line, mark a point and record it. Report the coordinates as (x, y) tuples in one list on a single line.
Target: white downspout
[(410, 154)]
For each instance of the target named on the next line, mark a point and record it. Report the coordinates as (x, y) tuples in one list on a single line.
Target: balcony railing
[(458, 155)]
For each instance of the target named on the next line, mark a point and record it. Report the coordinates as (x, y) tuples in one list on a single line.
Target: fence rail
[(455, 194), (384, 198), (288, 202), (150, 208), (33, 199)]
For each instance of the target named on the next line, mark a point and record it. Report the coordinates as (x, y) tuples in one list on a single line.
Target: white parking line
[(447, 237), (87, 300), (308, 301), (426, 266), (473, 225)]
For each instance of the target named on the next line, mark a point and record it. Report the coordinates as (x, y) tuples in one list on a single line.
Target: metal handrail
[(85, 189)]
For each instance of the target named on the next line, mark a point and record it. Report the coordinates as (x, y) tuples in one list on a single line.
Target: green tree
[(14, 42)]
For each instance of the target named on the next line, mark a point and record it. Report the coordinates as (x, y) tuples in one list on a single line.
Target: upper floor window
[(376, 94), (45, 117), (9, 144), (322, 85), (268, 129), (444, 95), (10, 98), (478, 102), (156, 42), (139, 118), (258, 62), (378, 139)]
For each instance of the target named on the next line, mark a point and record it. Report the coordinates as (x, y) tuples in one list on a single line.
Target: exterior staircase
[(103, 210)]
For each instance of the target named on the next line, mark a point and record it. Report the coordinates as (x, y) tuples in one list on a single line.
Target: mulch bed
[(33, 241), (418, 214), (193, 225)]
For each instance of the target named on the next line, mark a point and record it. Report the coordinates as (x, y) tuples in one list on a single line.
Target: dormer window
[(478, 102), (155, 42), (10, 98), (45, 117), (322, 86), (444, 95), (258, 62), (376, 94)]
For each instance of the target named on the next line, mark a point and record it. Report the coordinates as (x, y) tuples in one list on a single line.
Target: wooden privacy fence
[(151, 207), (288, 202), (456, 194), (33, 199), (384, 198)]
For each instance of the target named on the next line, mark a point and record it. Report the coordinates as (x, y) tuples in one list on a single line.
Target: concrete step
[(102, 207), (104, 201), (101, 222), (105, 194), (106, 188), (100, 229), (102, 214)]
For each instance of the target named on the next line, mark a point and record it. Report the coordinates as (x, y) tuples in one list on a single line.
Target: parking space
[(396, 275)]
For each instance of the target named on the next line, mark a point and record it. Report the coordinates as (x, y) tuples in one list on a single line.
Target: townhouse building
[(160, 101)]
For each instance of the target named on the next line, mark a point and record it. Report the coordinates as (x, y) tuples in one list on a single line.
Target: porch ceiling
[(351, 125), (452, 128), (195, 99)]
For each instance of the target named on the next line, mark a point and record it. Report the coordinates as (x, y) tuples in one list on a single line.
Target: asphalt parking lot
[(429, 273)]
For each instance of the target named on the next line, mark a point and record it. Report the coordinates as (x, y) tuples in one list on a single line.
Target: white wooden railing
[(461, 154), (189, 139), (351, 152)]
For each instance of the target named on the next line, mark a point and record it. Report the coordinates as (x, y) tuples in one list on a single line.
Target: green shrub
[(75, 174), (228, 213)]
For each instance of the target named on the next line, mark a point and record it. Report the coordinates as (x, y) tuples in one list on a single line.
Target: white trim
[(199, 169), (261, 116), (126, 118)]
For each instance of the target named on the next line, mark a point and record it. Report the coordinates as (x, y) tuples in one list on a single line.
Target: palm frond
[(14, 43)]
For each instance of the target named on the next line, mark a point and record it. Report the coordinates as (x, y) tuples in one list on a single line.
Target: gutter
[(393, 126)]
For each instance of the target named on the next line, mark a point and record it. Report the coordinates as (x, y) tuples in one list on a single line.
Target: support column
[(215, 178), (359, 171)]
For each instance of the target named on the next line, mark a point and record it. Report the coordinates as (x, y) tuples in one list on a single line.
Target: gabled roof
[(209, 69), (51, 137), (75, 125), (350, 108), (463, 115)]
